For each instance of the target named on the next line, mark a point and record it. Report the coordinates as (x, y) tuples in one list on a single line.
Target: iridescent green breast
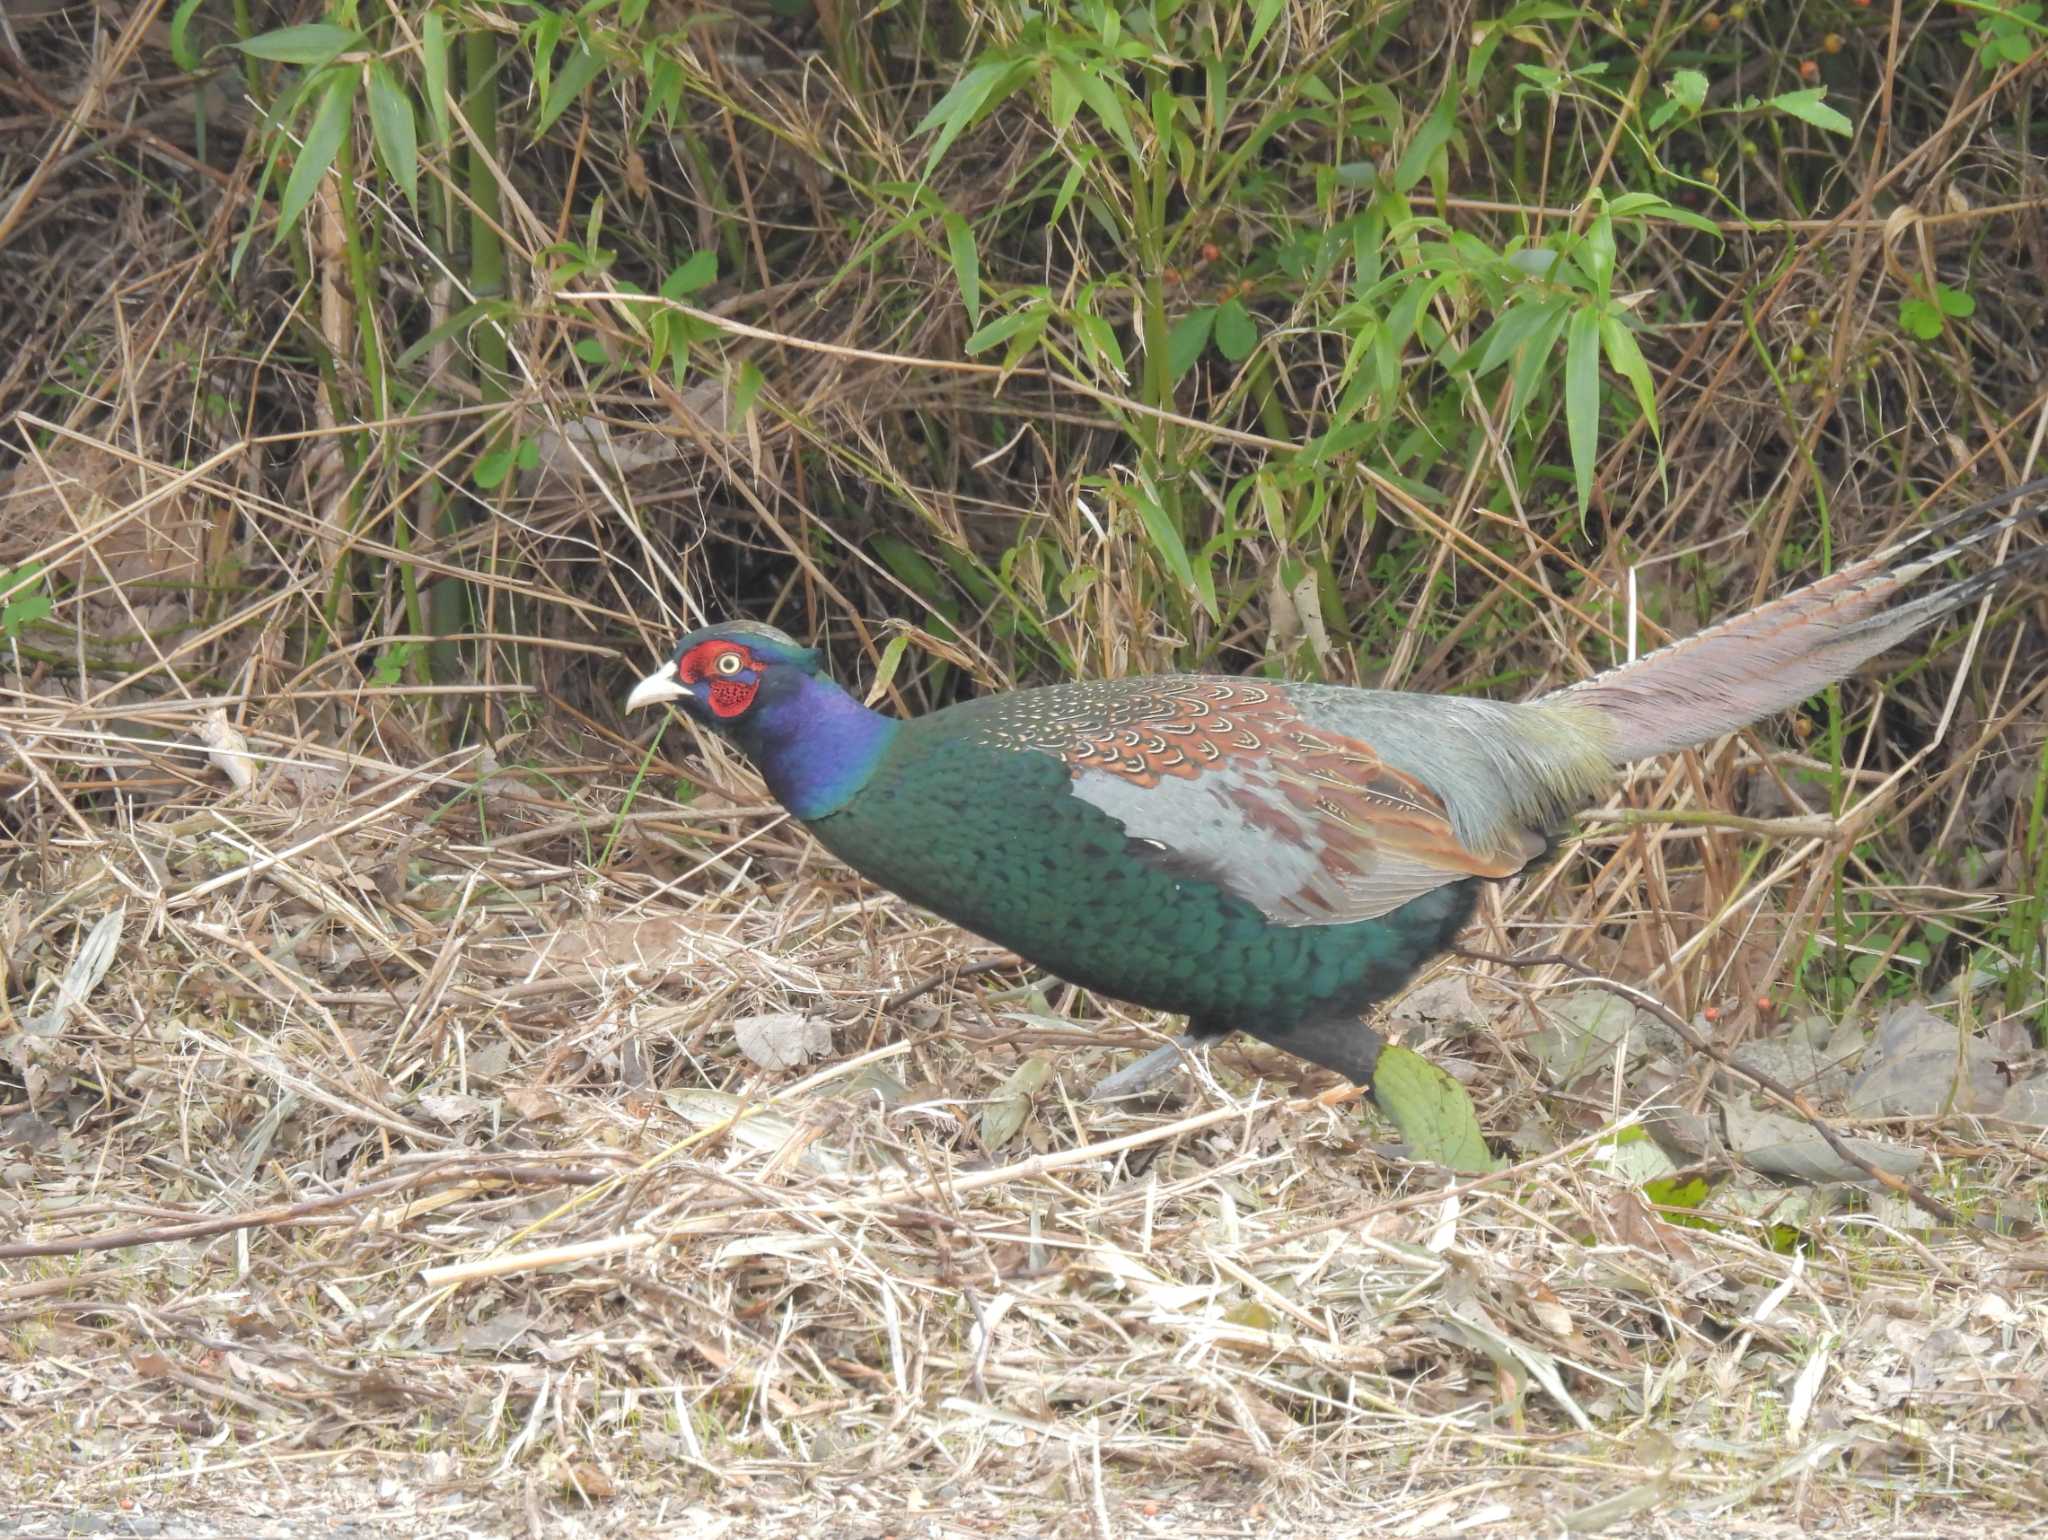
[(993, 839)]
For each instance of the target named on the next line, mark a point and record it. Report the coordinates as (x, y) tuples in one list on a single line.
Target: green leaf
[(1236, 333), (1582, 397), (1264, 14), (492, 467), (12, 583), (1167, 543), (1109, 110), (1002, 328), (1433, 1111), (309, 45), (434, 73), (891, 659), (455, 325), (1649, 205), (1100, 338), (1669, 1192), (1428, 142), (182, 53), (578, 71), (746, 390), (1808, 106), (1489, 35), (389, 669), (321, 144), (683, 281), (593, 351), (1063, 96), (911, 567), (966, 263), (1954, 301), (982, 87), (1920, 318), (1685, 91), (1628, 362), (20, 608), (391, 121), (1513, 327), (1185, 341), (1069, 184), (1533, 359), (1598, 253)]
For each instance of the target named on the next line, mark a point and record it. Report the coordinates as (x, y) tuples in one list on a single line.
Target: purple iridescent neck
[(815, 745)]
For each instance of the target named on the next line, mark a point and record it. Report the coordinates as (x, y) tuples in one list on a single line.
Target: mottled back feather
[(1317, 805)]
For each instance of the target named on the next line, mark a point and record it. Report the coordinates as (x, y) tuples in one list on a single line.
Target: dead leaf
[(1791, 1149), (450, 1108), (227, 749), (783, 1039), (1923, 1065), (1011, 1105)]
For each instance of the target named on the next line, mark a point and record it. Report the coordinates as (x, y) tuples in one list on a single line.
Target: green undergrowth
[(1364, 342)]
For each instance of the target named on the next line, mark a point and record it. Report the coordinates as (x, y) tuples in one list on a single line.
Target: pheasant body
[(1252, 854), (993, 840)]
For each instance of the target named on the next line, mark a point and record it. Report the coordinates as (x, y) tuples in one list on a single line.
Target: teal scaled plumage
[(991, 839), (1258, 855)]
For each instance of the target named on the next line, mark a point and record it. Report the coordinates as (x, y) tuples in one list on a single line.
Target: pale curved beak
[(659, 686)]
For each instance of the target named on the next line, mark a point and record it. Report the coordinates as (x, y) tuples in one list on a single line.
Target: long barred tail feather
[(1778, 654)]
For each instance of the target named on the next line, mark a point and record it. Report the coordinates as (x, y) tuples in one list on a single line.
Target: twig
[(951, 975), (529, 1172)]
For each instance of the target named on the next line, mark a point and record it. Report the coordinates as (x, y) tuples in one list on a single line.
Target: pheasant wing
[(1224, 780)]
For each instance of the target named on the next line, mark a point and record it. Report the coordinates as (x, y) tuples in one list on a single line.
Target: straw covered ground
[(433, 1103)]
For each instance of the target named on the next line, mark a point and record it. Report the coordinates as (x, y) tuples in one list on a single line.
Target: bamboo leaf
[(577, 71), (391, 121), (309, 45), (981, 88), (966, 264), (1629, 363), (1003, 328), (1172, 550), (1101, 95), (434, 73), (321, 144), (1264, 14), (1063, 96), (1582, 397)]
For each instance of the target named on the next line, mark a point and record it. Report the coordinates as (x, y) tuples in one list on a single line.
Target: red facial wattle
[(724, 677), (729, 697)]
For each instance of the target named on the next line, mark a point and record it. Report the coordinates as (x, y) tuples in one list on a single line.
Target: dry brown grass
[(430, 1159), (399, 1167)]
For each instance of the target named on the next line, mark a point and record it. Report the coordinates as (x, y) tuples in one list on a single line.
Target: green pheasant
[(1256, 855)]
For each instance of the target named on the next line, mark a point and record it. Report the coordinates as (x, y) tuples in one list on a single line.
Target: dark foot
[(1145, 1074)]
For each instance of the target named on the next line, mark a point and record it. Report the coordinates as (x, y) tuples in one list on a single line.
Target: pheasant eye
[(730, 663)]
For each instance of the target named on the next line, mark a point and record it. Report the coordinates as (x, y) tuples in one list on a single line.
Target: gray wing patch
[(1194, 829)]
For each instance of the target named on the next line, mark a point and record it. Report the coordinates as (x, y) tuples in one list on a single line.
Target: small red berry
[(1809, 69)]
